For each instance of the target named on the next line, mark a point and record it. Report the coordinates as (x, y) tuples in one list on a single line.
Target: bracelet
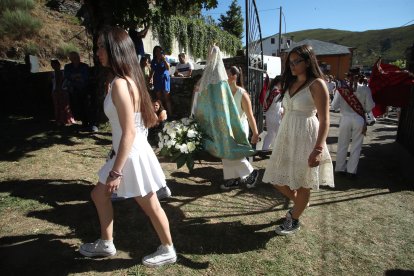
[(114, 174), (318, 149)]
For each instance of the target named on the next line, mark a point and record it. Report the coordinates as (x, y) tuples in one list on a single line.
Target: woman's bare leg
[(301, 202), (159, 220), (102, 199), (287, 192)]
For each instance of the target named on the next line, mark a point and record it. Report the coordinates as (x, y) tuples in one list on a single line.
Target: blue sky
[(348, 15)]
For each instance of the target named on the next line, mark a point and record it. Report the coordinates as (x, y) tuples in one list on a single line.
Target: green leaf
[(164, 151), (190, 162), (181, 160), (176, 156)]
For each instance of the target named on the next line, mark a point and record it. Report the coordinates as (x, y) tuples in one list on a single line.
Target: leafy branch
[(192, 34)]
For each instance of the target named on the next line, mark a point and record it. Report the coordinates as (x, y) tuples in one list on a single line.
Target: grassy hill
[(391, 44), (60, 32)]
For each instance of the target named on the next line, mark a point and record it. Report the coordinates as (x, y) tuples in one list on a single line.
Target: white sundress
[(296, 138), (142, 173), (238, 97)]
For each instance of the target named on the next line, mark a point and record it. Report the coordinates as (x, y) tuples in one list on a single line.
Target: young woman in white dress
[(134, 170), (300, 160), (240, 171)]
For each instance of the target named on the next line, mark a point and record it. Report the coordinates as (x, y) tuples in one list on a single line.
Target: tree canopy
[(232, 22), (108, 12)]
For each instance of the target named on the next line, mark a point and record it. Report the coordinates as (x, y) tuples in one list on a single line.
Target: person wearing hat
[(354, 101)]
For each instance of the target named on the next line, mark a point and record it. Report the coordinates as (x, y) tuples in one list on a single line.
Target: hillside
[(391, 44), (61, 32)]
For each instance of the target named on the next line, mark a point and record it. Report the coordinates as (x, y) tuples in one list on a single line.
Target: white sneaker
[(164, 192), (163, 255), (100, 248)]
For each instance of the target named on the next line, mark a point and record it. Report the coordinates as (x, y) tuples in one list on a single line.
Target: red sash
[(352, 100)]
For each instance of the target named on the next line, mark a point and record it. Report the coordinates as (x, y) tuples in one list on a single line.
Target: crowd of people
[(73, 97), (297, 109)]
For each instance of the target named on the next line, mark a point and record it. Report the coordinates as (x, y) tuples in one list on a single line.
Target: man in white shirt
[(352, 126), (183, 68), (331, 87)]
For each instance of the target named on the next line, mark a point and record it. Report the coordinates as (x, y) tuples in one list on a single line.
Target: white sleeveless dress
[(243, 117), (142, 173), (296, 138)]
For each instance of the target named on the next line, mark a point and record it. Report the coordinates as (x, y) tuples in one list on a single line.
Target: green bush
[(64, 49), (192, 33), (16, 5), (19, 24), (31, 49)]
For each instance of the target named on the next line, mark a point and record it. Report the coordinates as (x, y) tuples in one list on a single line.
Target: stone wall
[(28, 93)]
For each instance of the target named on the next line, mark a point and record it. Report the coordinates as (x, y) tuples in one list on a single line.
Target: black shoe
[(231, 184), (251, 180), (352, 175), (288, 227), (341, 173)]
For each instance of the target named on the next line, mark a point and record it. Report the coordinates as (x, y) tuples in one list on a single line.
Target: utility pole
[(247, 35), (280, 31)]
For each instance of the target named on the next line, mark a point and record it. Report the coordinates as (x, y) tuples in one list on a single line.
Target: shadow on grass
[(66, 203), (21, 136)]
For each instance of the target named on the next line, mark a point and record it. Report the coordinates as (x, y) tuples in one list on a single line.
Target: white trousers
[(273, 117), (350, 127), (272, 126), (236, 168)]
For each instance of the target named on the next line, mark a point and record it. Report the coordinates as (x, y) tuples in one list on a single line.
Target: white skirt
[(142, 173)]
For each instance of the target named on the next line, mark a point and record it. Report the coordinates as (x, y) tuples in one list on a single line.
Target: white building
[(271, 44)]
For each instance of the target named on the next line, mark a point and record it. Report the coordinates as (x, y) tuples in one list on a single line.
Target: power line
[(407, 23), (210, 13)]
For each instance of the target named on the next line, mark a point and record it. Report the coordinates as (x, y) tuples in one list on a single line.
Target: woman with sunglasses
[(300, 160)]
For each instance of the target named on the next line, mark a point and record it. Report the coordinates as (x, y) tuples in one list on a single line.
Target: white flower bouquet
[(181, 141)]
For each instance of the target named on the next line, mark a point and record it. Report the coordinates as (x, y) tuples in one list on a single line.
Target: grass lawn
[(361, 227)]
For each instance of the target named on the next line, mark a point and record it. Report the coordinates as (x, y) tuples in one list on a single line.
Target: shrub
[(16, 5), (64, 49), (19, 24), (31, 49)]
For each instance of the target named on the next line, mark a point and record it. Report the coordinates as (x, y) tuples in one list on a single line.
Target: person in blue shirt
[(160, 77), (137, 39)]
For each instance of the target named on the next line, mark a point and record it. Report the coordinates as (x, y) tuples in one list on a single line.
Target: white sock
[(108, 241)]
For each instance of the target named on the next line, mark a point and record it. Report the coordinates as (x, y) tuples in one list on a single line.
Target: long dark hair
[(161, 109), (274, 82), (123, 63), (312, 69), (237, 71), (143, 62), (154, 50)]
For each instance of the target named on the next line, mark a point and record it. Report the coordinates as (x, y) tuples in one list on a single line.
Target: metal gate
[(254, 55)]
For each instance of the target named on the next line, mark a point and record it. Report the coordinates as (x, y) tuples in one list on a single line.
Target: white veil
[(213, 73)]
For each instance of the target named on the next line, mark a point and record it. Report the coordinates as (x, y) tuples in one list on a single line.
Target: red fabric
[(262, 96), (389, 86), (270, 98), (352, 100)]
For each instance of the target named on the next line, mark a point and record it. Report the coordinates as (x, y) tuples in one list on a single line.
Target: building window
[(274, 55), (272, 40)]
